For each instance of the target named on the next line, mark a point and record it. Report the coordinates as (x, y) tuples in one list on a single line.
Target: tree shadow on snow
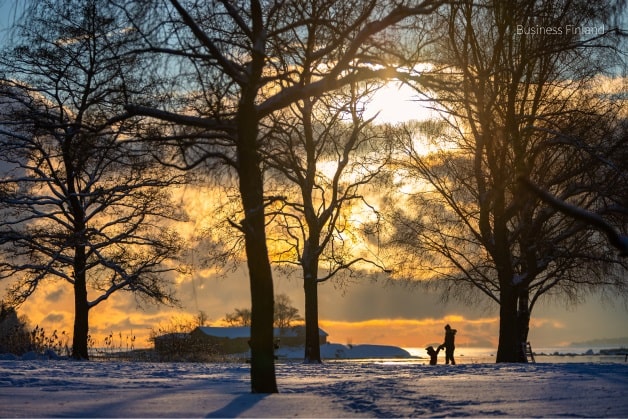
[(237, 406)]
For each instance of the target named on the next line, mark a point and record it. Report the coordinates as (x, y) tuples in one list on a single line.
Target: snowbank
[(402, 388), (339, 351)]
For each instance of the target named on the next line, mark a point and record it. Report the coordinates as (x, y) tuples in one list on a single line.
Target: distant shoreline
[(374, 352)]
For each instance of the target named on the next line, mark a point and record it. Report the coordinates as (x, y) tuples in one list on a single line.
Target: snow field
[(333, 389)]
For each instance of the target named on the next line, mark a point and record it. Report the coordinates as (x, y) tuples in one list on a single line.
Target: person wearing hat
[(449, 345)]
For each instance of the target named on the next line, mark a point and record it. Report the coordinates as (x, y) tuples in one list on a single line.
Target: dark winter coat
[(449, 339)]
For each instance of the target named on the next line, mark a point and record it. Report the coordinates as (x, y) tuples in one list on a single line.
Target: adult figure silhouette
[(449, 344)]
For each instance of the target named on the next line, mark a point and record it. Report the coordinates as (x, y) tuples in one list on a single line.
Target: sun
[(396, 102)]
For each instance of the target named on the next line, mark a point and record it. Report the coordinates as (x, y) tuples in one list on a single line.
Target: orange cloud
[(393, 315), (545, 322), (53, 309), (414, 332)]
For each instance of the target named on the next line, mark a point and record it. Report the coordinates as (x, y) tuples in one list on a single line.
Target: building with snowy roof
[(236, 339)]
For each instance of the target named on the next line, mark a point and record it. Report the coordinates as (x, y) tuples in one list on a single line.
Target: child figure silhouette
[(433, 353)]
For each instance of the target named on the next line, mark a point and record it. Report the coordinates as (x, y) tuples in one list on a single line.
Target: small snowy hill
[(339, 351)]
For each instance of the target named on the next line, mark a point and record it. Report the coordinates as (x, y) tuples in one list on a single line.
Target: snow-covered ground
[(340, 351), (343, 388)]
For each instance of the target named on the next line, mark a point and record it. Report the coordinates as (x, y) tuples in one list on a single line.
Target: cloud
[(55, 296), (54, 318), (413, 332), (368, 311)]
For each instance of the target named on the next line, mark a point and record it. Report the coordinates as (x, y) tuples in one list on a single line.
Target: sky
[(9, 9), (360, 312), (363, 311)]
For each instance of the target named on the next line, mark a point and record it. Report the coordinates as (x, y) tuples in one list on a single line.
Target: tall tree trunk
[(81, 307), (523, 322), (509, 347), (263, 378), (312, 338)]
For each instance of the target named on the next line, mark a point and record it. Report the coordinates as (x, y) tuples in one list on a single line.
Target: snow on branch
[(616, 239)]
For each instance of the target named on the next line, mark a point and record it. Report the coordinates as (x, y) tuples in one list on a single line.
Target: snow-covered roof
[(245, 331), (227, 332)]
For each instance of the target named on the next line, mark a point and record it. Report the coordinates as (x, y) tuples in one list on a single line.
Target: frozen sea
[(382, 387), (558, 354)]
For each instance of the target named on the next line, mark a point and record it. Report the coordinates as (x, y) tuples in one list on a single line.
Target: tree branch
[(616, 239)]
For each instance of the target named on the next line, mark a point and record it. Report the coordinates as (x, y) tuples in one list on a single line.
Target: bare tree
[(615, 238), (323, 148), (239, 317), (285, 312), (609, 215), (516, 104), (240, 64), (81, 203), (201, 318)]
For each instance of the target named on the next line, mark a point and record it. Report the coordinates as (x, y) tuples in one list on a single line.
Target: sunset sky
[(363, 311)]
